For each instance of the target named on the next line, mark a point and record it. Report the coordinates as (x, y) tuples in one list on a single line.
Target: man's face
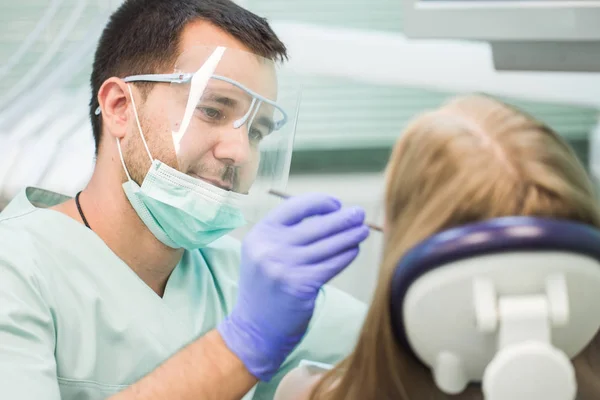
[(213, 148)]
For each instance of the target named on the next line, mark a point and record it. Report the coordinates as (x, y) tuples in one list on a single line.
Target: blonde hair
[(473, 159)]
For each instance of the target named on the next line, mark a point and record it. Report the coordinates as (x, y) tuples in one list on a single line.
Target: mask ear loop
[(137, 120), (122, 160)]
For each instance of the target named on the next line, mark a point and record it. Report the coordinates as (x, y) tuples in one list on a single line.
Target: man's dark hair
[(142, 37)]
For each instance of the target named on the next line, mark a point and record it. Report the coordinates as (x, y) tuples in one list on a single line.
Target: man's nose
[(233, 147)]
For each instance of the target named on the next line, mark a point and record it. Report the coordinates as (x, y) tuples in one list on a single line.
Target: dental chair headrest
[(506, 302)]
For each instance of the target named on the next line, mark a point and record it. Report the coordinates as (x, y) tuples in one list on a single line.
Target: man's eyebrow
[(219, 98)]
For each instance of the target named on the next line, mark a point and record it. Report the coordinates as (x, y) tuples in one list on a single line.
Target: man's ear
[(114, 100)]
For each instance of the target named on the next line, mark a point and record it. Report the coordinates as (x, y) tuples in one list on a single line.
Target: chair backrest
[(482, 296)]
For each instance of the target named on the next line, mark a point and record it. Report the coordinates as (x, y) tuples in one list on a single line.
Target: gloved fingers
[(333, 245), (313, 229), (297, 208), (327, 269)]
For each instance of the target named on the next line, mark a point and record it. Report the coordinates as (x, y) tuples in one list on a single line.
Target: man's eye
[(211, 113), (255, 135)]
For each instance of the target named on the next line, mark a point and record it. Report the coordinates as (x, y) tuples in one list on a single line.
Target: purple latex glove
[(286, 258)]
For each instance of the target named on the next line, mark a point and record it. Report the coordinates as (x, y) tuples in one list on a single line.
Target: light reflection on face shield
[(216, 147)]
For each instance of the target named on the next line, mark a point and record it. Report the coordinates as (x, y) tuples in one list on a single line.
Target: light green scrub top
[(77, 323)]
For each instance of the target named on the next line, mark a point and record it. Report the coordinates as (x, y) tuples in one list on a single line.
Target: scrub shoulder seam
[(16, 216), (77, 382)]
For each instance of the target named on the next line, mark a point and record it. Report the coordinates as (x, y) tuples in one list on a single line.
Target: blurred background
[(363, 81)]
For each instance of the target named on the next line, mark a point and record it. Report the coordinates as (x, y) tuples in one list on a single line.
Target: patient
[(473, 159)]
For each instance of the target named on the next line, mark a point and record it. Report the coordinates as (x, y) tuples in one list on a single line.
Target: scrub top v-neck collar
[(144, 303)]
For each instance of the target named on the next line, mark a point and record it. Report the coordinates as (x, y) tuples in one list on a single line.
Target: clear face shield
[(233, 118), (233, 122)]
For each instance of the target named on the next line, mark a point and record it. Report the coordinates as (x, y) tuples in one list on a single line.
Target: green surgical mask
[(182, 211)]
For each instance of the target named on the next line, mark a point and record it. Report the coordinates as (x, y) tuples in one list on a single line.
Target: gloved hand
[(286, 258)]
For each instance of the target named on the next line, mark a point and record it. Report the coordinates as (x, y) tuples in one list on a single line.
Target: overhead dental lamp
[(526, 35)]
